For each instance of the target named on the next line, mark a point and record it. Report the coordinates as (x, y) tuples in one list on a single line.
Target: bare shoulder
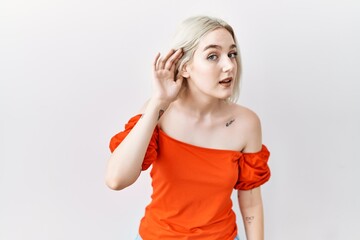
[(247, 117), (248, 124)]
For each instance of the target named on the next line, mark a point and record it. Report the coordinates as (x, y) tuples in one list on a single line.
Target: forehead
[(219, 36)]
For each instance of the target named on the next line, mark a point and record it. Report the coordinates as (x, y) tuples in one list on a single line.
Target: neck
[(200, 106)]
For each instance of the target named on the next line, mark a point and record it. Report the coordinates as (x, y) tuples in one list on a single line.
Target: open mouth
[(226, 81)]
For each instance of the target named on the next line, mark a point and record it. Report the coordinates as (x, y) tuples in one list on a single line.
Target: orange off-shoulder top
[(192, 186)]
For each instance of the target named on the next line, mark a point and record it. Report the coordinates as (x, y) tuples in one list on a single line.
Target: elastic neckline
[(196, 146)]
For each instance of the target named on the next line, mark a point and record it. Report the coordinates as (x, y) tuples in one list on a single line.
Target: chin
[(225, 96)]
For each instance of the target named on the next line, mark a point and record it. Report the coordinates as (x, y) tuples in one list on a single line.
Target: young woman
[(200, 143)]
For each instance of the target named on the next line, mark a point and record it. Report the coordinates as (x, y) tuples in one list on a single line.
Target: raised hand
[(166, 86)]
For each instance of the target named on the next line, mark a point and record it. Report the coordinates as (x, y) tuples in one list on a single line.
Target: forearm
[(253, 223), (124, 165), (251, 208)]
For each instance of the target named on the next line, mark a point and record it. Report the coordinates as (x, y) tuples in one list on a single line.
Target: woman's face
[(213, 68)]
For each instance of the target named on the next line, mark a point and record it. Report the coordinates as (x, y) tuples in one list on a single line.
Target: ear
[(184, 73)]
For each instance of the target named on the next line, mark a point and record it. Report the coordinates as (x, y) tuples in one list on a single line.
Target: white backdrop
[(73, 72)]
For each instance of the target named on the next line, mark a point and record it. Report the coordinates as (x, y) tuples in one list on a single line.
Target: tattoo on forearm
[(249, 219), (230, 122), (161, 112)]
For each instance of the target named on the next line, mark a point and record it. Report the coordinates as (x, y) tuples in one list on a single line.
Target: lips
[(226, 81)]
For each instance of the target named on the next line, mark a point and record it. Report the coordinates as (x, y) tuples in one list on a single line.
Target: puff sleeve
[(151, 152), (253, 169)]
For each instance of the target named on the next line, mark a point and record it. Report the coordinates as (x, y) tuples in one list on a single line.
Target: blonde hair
[(189, 34)]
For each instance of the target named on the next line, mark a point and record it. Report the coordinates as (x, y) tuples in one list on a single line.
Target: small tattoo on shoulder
[(161, 112), (230, 122)]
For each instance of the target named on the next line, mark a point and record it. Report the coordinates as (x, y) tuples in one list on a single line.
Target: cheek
[(203, 69), (207, 68)]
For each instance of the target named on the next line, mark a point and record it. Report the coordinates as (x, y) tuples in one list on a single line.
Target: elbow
[(118, 184), (250, 198), (115, 184), (118, 179)]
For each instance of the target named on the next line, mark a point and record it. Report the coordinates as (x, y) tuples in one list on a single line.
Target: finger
[(163, 60), (173, 59), (156, 61), (178, 58), (174, 64)]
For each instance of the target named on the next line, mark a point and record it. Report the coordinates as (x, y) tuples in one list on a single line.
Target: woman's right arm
[(124, 165)]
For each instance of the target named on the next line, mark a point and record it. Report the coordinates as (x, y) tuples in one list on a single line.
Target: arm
[(124, 165), (251, 208), (250, 201)]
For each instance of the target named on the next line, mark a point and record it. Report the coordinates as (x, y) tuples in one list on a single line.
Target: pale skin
[(200, 109)]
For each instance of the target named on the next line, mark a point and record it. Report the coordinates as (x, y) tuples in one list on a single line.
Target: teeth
[(225, 81)]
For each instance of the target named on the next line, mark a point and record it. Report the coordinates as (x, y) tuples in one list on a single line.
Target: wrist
[(159, 104), (155, 108)]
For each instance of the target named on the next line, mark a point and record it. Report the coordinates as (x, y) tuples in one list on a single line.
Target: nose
[(228, 64)]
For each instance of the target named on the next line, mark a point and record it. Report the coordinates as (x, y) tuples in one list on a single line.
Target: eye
[(232, 55), (212, 57)]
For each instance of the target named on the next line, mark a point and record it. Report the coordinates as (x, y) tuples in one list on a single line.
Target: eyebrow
[(218, 47)]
